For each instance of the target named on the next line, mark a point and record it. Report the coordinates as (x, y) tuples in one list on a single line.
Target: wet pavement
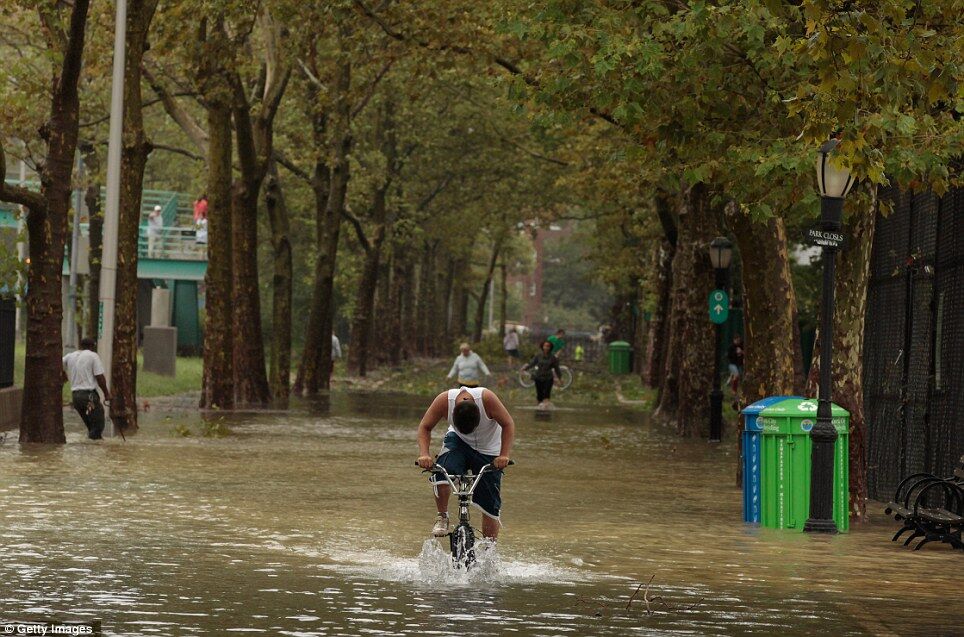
[(316, 523)]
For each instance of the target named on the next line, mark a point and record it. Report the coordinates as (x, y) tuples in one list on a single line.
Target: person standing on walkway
[(200, 208), (335, 347), (734, 357), (545, 368), (468, 368), (155, 227), (85, 372), (511, 345)]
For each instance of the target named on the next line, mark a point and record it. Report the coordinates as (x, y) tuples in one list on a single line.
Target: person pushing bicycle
[(480, 432)]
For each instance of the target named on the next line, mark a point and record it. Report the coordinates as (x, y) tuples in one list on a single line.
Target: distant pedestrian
[(335, 347), (735, 359), (468, 368), (155, 228), (511, 345), (85, 372), (558, 341), (200, 208), (579, 353), (201, 231), (545, 368)]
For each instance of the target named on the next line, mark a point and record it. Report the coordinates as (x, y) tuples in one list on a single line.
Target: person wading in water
[(85, 372), (481, 431)]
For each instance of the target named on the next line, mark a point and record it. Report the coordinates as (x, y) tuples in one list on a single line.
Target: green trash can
[(785, 475), (620, 357)]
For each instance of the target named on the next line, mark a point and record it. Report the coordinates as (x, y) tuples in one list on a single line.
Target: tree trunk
[(483, 297), (383, 311), (690, 368), (255, 137), (460, 302), (362, 317), (280, 366), (96, 233), (408, 315), (306, 382), (769, 306), (393, 332), (658, 340), (850, 307), (426, 300), (41, 418), (136, 148), (218, 379), (659, 329), (503, 300), (314, 372)]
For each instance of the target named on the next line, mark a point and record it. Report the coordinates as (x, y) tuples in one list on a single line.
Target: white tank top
[(487, 437)]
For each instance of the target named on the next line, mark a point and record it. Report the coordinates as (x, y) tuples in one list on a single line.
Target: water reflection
[(315, 523)]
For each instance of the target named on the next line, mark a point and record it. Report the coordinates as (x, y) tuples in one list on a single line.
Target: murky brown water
[(314, 523)]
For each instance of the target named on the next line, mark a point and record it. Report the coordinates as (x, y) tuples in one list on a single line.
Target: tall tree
[(217, 97), (134, 152), (42, 414), (254, 132), (282, 281)]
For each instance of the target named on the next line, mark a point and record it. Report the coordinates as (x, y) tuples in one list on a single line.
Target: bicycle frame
[(463, 486)]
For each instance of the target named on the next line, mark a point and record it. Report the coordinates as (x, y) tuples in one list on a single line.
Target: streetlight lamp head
[(833, 181), (721, 253)]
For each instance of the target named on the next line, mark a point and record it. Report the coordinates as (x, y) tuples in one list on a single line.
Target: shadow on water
[(314, 522)]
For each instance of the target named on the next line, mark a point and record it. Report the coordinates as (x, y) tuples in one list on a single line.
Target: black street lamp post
[(721, 253), (834, 183)]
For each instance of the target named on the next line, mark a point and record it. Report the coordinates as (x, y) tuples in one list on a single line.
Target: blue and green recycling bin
[(752, 461), (785, 449)]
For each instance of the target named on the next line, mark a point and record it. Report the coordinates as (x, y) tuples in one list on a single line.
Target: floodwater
[(316, 523)]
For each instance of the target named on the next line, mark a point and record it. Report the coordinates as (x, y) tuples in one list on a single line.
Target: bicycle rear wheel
[(525, 379), (565, 377), (462, 542)]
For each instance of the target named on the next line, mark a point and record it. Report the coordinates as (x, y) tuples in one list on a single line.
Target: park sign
[(825, 238), (719, 303)]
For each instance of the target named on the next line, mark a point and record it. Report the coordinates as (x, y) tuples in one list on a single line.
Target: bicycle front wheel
[(462, 542), (525, 378), (565, 377)]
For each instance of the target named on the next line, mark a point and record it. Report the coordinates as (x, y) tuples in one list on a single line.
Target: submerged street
[(313, 523)]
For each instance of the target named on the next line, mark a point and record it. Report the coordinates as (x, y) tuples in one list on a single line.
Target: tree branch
[(183, 119), (33, 201), (359, 229)]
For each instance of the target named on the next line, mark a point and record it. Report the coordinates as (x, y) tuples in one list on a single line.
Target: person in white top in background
[(468, 367), (155, 227), (511, 346), (85, 372), (481, 431), (335, 347)]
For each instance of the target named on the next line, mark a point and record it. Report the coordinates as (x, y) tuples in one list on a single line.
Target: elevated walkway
[(174, 259)]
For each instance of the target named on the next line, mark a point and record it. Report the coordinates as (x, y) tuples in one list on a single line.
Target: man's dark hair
[(88, 343), (560, 331), (465, 416)]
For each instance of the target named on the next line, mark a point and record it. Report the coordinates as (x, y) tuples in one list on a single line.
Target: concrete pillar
[(160, 307)]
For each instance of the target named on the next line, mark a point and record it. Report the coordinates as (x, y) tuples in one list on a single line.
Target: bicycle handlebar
[(437, 468)]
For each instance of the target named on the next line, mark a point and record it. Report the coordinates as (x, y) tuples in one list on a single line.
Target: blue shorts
[(457, 457)]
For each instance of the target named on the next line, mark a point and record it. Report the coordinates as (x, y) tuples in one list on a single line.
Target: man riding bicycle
[(480, 432)]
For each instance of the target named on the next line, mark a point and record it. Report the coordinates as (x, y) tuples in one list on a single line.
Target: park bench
[(930, 507)]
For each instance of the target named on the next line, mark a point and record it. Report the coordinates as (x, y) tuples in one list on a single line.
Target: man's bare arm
[(434, 413), (497, 412), (102, 381)]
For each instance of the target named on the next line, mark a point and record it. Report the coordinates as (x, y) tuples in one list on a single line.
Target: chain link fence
[(914, 339)]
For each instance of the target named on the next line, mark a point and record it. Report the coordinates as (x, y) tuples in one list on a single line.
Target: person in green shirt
[(558, 341)]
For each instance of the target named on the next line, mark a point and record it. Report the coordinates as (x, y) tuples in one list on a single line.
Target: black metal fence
[(914, 339)]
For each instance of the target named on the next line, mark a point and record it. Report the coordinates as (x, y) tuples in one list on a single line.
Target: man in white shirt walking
[(85, 372), (468, 367)]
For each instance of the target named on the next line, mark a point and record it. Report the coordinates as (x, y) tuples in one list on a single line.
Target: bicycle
[(565, 378), (462, 537)]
